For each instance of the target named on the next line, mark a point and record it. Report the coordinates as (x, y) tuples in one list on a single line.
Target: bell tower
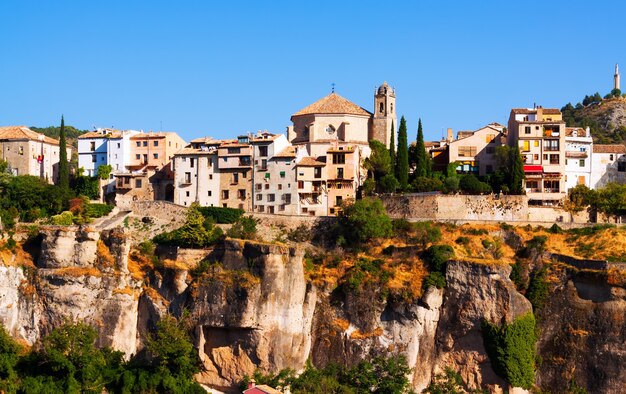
[(384, 114), (616, 77)]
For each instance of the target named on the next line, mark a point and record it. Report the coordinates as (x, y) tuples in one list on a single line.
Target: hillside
[(71, 133), (606, 119)]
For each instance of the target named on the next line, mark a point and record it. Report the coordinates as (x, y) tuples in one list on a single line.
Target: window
[(282, 174), (526, 146), (259, 197), (145, 158), (210, 176), (209, 193), (551, 145), (261, 208), (145, 143), (554, 159), (119, 145), (155, 143), (267, 186), (187, 194), (225, 194), (270, 209), (491, 150), (527, 130), (536, 157), (262, 151), (317, 172), (581, 162), (188, 177), (339, 158), (263, 165), (490, 138), (340, 173), (137, 183), (235, 178), (536, 143), (611, 157), (92, 146), (155, 155), (545, 157), (192, 162), (93, 158), (391, 107), (287, 198), (467, 151), (381, 108), (621, 166), (271, 197), (138, 157), (300, 184), (234, 151), (280, 186), (241, 194), (138, 144), (532, 185), (338, 200), (551, 186), (258, 186)]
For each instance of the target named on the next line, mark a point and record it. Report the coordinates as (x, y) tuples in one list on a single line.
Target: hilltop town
[(330, 155)]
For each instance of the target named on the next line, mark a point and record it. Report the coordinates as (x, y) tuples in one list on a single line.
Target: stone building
[(274, 174), (475, 151), (30, 153), (196, 176), (578, 157), (235, 167), (312, 192), (540, 134), (343, 171)]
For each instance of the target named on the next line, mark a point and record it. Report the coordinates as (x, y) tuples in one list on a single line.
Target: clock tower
[(384, 114)]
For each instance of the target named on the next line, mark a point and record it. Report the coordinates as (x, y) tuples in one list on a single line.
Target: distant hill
[(605, 117), (71, 133)]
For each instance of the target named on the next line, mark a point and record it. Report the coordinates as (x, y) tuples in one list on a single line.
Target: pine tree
[(402, 156), (517, 171), (64, 168), (392, 146), (421, 159)]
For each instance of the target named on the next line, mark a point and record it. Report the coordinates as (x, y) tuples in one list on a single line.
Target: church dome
[(384, 88)]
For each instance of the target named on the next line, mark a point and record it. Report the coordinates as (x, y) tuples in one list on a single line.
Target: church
[(336, 121)]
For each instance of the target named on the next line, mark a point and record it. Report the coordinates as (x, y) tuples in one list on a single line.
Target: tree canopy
[(402, 156)]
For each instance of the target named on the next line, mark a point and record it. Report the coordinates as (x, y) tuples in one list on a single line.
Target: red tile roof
[(546, 111), (581, 132), (24, 133), (311, 162), (333, 104), (614, 148)]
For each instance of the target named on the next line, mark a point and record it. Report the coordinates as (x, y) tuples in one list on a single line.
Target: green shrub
[(534, 247), (476, 231), (517, 276), (388, 251), (197, 232), (97, 210), (222, 215), (436, 279), (462, 240), (364, 220), (425, 233), (388, 184), (471, 185), (425, 184), (63, 219), (585, 231), (538, 288), (401, 226), (438, 256), (511, 349), (302, 233), (555, 229), (449, 382), (243, 228)]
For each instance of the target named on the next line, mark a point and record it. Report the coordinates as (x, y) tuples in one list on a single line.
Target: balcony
[(576, 154)]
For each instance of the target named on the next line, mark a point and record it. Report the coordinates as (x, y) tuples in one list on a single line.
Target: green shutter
[(267, 175)]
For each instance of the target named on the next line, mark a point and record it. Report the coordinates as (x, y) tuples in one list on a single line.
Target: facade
[(30, 153), (153, 150), (578, 157), (343, 171), (235, 167), (608, 164), (384, 121), (196, 177), (274, 174), (540, 134), (311, 175), (475, 151), (93, 149)]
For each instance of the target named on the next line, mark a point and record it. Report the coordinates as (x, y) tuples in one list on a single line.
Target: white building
[(578, 157), (608, 165), (196, 175), (104, 146)]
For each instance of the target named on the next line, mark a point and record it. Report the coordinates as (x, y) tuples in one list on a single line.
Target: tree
[(379, 162), (104, 171), (365, 219), (392, 146), (388, 184), (616, 93), (9, 351), (421, 158), (172, 350), (517, 171), (64, 165), (402, 158)]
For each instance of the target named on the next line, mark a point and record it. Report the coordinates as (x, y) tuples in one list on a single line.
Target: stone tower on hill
[(616, 77), (384, 114)]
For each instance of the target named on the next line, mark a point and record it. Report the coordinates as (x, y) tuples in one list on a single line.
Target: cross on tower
[(333, 85)]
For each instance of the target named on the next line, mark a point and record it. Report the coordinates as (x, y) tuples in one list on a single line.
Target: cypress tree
[(421, 158), (64, 168), (392, 146), (402, 156), (517, 171)]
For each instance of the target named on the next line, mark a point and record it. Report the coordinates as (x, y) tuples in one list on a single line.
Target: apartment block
[(343, 171), (235, 167), (475, 151), (196, 176), (312, 192), (608, 164), (540, 134), (578, 157)]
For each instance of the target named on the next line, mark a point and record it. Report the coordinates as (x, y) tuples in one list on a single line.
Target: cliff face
[(252, 307)]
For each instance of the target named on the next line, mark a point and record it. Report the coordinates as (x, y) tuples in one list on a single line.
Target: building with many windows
[(196, 176), (475, 151), (608, 164), (235, 167), (578, 157)]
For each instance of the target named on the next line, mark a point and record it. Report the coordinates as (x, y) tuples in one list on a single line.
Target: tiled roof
[(194, 151), (262, 137), (333, 104), (262, 388), (581, 132), (464, 134), (289, 151), (160, 134), (97, 134), (546, 111), (613, 148), (311, 162), (206, 141), (24, 133)]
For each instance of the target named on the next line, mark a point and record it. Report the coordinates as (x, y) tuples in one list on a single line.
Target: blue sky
[(225, 68)]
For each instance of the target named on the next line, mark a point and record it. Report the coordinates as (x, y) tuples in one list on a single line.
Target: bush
[(96, 210), (364, 220), (517, 275), (451, 184), (462, 241), (438, 256), (243, 228), (538, 288), (197, 232), (368, 187), (511, 349), (302, 233), (63, 219), (425, 233), (388, 184), (435, 279), (424, 184), (471, 185), (535, 247), (222, 215)]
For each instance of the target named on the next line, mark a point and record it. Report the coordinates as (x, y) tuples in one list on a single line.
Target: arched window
[(391, 107), (382, 108)]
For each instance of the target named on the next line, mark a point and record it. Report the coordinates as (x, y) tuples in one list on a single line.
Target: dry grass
[(139, 265), (340, 324), (356, 334), (16, 257), (78, 271), (105, 258)]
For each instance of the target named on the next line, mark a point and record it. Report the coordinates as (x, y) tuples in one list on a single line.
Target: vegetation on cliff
[(605, 117)]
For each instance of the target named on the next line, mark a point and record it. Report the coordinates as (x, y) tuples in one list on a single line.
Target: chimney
[(251, 384), (540, 113), (450, 136)]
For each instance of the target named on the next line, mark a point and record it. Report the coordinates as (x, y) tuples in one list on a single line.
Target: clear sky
[(223, 68)]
